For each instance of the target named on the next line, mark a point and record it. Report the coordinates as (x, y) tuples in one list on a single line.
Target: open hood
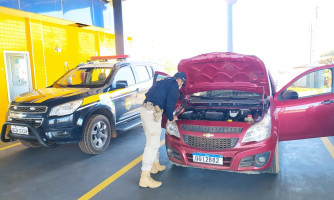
[(230, 71)]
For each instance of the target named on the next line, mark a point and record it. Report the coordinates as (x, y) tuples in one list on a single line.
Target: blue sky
[(277, 31)]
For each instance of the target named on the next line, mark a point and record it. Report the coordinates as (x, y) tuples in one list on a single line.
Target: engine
[(235, 115)]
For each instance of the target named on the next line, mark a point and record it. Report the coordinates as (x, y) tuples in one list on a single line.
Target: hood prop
[(263, 97)]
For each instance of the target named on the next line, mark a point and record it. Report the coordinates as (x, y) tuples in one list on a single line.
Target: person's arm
[(172, 96)]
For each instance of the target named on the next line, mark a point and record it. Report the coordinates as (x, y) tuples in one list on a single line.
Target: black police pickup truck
[(87, 105)]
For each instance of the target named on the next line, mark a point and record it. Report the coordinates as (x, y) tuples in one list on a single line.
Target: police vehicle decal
[(102, 96), (128, 103)]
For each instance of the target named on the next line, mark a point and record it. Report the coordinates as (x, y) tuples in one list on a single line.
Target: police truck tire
[(274, 167), (31, 143), (96, 135)]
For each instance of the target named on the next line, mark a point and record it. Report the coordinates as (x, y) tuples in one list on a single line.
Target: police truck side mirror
[(121, 84)]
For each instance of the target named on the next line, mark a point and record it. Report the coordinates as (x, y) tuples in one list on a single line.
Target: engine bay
[(221, 114), (224, 105)]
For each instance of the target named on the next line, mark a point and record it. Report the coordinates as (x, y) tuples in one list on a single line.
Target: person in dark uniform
[(161, 98)]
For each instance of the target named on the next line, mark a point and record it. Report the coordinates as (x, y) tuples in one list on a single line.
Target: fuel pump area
[(42, 40)]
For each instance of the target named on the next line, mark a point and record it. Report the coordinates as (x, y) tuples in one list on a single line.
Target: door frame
[(7, 68)]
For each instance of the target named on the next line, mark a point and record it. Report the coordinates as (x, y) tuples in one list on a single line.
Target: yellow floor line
[(113, 177), (10, 146), (328, 145)]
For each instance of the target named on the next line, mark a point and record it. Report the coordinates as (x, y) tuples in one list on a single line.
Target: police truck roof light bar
[(119, 57)]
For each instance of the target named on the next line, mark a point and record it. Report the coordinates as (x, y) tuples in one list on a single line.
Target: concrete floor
[(306, 172)]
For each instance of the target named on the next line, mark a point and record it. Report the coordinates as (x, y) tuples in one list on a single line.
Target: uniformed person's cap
[(182, 76)]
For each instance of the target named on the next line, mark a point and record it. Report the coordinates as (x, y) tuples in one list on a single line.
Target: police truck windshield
[(84, 77)]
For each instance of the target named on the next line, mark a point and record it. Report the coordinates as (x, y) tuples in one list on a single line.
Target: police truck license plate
[(208, 158), (19, 129)]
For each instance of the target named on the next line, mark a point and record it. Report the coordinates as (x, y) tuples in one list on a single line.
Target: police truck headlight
[(172, 129), (8, 117), (259, 131), (66, 108)]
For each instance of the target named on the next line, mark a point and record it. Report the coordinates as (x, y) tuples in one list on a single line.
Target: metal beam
[(229, 25), (118, 25)]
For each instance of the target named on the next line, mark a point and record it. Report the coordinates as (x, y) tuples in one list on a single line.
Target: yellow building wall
[(107, 44), (12, 38), (38, 59), (65, 47), (51, 47)]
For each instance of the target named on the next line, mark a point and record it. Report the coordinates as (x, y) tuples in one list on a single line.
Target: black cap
[(182, 76)]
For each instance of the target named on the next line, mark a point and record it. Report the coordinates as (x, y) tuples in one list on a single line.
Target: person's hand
[(174, 119)]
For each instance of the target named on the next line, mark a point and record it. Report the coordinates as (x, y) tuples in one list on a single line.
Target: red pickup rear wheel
[(96, 135)]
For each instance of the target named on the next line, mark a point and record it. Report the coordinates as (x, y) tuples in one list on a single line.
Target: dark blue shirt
[(164, 93)]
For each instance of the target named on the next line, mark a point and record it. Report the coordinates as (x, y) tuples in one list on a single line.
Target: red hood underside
[(225, 71)]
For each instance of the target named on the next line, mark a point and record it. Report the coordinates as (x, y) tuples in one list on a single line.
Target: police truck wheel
[(96, 135), (31, 143)]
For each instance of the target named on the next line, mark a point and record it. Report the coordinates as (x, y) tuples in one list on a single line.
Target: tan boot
[(156, 167), (147, 181)]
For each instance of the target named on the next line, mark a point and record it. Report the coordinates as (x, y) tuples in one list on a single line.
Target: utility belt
[(157, 111)]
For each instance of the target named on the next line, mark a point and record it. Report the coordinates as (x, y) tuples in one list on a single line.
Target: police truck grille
[(29, 109), (210, 143), (34, 122)]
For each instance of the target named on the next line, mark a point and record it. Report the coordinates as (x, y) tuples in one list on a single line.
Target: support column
[(229, 25), (118, 24)]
